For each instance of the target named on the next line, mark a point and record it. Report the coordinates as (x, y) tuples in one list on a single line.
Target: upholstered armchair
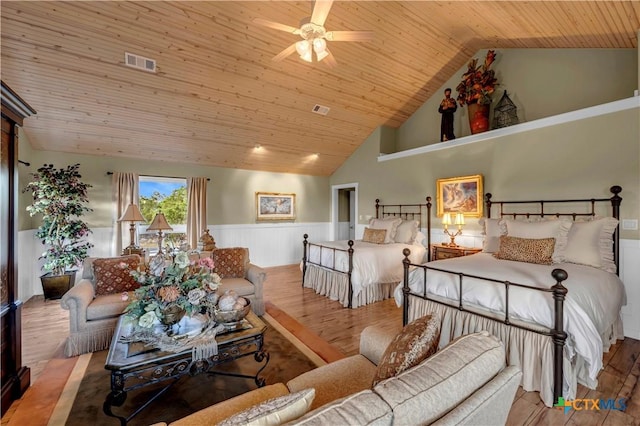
[(240, 275), (96, 302)]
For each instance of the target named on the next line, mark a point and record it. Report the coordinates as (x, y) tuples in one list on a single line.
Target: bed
[(556, 319), (357, 273)]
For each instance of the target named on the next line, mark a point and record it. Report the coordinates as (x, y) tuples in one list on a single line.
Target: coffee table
[(133, 366)]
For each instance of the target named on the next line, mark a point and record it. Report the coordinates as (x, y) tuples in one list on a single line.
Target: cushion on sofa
[(216, 413), (328, 380), (416, 341), (111, 277), (107, 306), (241, 286), (427, 391), (231, 262), (362, 408), (274, 411)]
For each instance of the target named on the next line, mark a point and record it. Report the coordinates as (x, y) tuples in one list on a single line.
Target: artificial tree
[(60, 197)]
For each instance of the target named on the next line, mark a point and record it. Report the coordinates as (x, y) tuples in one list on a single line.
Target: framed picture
[(274, 206), (460, 195)]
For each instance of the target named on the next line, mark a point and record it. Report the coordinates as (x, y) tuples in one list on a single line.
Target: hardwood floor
[(333, 332)]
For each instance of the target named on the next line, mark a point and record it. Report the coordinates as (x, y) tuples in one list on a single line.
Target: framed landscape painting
[(460, 195), (274, 206)]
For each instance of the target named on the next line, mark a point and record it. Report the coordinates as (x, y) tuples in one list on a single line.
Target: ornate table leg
[(259, 356), (115, 398)]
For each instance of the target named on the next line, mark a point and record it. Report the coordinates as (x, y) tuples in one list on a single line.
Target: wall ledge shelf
[(581, 114)]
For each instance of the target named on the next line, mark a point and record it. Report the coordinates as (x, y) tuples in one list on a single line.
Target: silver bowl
[(231, 317)]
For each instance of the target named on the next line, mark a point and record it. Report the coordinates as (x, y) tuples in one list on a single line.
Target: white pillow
[(420, 240), (274, 411), (389, 223), (406, 232), (492, 229), (554, 228), (591, 243)]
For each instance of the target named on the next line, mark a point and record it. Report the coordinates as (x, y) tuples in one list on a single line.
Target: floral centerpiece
[(478, 83), (182, 286)]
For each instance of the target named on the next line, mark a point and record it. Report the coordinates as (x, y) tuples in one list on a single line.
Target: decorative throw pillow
[(492, 229), (416, 342), (390, 224), (231, 262), (528, 250), (406, 232), (112, 275), (274, 411), (591, 243), (553, 228), (375, 236)]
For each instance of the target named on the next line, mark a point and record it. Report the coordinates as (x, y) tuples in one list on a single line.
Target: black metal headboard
[(405, 211), (615, 201), (408, 212)]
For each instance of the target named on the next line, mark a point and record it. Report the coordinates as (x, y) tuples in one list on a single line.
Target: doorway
[(344, 211)]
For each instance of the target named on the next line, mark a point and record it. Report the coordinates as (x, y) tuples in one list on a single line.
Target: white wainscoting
[(275, 244), (630, 275), (270, 244)]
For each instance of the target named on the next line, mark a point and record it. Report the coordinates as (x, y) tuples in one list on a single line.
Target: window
[(168, 195)]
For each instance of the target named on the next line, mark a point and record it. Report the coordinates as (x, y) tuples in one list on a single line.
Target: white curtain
[(196, 209), (125, 192)]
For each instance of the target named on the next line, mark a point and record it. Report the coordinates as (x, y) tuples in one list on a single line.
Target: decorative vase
[(171, 315), (478, 118)]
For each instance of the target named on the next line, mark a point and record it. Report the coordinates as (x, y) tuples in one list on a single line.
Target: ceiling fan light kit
[(314, 35)]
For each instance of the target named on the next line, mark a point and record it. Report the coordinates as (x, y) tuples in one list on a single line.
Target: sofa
[(466, 382), (94, 313)]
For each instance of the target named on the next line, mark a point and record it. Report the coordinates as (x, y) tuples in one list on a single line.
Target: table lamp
[(133, 215), (159, 224), (446, 221)]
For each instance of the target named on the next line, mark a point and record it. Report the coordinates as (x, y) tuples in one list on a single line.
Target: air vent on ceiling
[(139, 62), (319, 109)]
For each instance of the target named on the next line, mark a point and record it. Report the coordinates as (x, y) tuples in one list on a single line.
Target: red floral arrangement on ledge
[(478, 83)]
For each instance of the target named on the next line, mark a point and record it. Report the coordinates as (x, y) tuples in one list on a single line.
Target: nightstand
[(439, 251)]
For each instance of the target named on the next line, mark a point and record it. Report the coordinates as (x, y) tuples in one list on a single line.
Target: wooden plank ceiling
[(217, 93)]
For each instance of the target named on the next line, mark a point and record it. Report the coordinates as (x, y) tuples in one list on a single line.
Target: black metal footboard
[(306, 261), (558, 291)]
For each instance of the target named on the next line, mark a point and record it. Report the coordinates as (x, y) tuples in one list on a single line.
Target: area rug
[(89, 384)]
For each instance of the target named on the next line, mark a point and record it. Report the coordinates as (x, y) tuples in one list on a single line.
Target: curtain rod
[(167, 177)]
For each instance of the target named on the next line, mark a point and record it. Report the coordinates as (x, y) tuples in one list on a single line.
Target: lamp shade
[(459, 219), (446, 219), (159, 223), (132, 214)]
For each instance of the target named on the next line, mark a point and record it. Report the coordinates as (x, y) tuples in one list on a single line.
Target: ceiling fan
[(314, 35)]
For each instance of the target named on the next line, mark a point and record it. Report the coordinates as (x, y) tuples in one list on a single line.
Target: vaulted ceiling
[(217, 93)]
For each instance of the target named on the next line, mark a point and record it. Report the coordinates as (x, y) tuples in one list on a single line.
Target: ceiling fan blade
[(349, 35), (277, 26), (286, 52), (330, 60), (320, 12)]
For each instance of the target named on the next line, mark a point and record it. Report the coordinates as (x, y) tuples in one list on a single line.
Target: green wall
[(540, 82), (230, 192), (576, 159)]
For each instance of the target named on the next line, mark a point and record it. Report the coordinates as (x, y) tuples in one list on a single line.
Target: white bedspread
[(592, 304), (372, 263)]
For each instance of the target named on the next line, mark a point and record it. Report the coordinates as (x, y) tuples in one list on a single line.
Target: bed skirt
[(335, 286), (530, 351)]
